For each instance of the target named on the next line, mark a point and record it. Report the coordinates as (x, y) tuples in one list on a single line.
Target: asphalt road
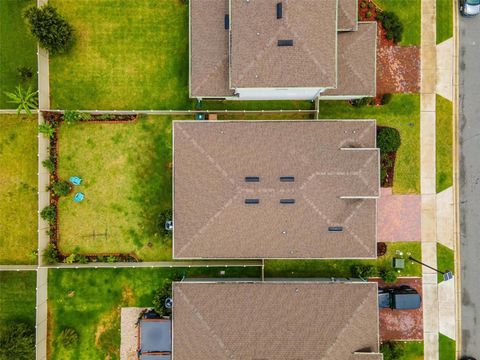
[(470, 183)]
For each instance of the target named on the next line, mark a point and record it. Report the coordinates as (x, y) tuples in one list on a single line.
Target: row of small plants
[(59, 188), (391, 23)]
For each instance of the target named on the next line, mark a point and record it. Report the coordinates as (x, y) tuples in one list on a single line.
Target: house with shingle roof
[(280, 49), (275, 189)]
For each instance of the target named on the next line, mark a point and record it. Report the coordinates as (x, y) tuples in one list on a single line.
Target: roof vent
[(252, 179), (252, 201), (287, 178), (285, 43), (227, 21), (279, 10), (287, 201), (335, 228)]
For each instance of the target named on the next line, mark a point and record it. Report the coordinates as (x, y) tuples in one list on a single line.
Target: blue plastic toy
[(79, 196), (75, 180)]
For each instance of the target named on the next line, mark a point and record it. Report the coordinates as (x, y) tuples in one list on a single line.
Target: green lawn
[(444, 20), (409, 12), (17, 297), (445, 260), (18, 47), (407, 350), (18, 189), (342, 268), (131, 54), (444, 143), (127, 182), (402, 113), (90, 301), (446, 348)]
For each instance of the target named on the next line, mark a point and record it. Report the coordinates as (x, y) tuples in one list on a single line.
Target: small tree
[(49, 213), (61, 188), (388, 140), (392, 24), (46, 129), (25, 99), (51, 30), (388, 274), (17, 341), (50, 254), (68, 337), (159, 298)]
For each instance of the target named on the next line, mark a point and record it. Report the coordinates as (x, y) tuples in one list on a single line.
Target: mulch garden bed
[(398, 67), (56, 119)]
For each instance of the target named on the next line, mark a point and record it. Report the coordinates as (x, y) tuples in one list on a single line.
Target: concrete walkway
[(428, 179)]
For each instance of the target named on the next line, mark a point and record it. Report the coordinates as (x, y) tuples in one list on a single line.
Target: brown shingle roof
[(347, 15), (211, 161), (275, 321), (356, 61), (257, 61), (209, 48)]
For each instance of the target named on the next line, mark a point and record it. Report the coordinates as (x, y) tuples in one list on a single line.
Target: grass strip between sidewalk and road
[(444, 143)]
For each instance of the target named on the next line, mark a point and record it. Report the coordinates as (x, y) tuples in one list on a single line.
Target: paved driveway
[(398, 217), (470, 183), (402, 324)]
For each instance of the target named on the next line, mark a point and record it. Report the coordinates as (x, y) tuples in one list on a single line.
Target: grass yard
[(18, 48), (445, 260), (131, 54), (18, 189), (446, 349), (444, 20), (127, 182), (342, 268), (402, 113), (90, 301), (409, 12), (17, 297), (444, 143), (407, 350)]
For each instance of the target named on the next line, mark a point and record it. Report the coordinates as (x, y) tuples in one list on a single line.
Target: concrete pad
[(445, 63), (399, 217), (447, 308), (129, 334), (445, 216), (428, 102)]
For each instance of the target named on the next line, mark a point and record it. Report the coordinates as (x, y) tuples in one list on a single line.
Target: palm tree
[(25, 99)]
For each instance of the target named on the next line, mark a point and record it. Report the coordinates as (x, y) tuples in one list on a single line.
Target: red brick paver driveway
[(398, 217), (402, 324)]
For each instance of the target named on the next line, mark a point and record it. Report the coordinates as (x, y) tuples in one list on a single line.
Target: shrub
[(162, 218), (46, 129), (49, 165), (82, 259), (388, 274), (392, 25), (61, 188), (49, 213), (25, 99), (51, 30), (371, 5), (363, 4), (50, 254), (386, 98), (391, 351), (112, 259), (159, 299), (388, 140), (68, 337), (368, 14), (360, 102), (70, 259), (381, 249), (17, 341), (25, 73), (363, 271), (71, 116)]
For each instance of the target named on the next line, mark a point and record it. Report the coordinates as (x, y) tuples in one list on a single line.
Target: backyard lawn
[(444, 20), (445, 260), (127, 182), (402, 113), (342, 268), (18, 48), (444, 143), (409, 12), (18, 189), (90, 301), (131, 54)]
